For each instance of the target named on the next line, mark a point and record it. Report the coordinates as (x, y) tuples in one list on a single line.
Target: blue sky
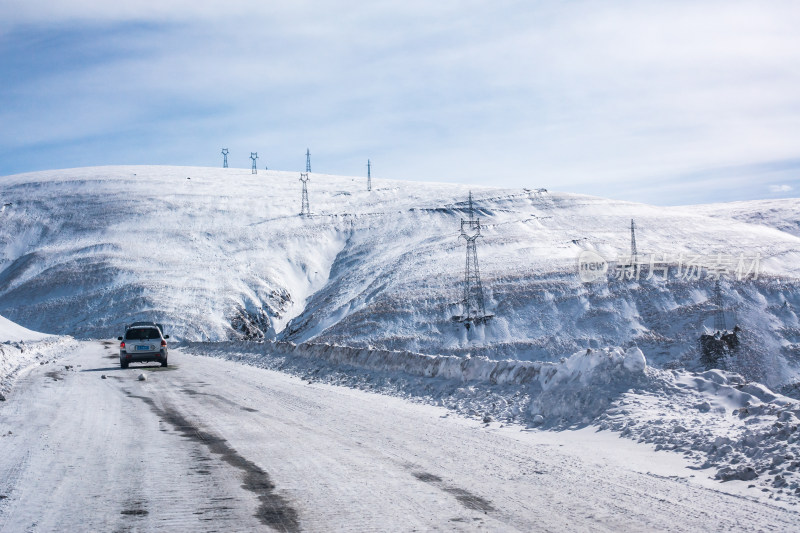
[(667, 102)]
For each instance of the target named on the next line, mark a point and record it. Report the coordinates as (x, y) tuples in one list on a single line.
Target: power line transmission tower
[(308, 160), (225, 158), (719, 315), (634, 253), (369, 175), (254, 156), (474, 308), (304, 209)]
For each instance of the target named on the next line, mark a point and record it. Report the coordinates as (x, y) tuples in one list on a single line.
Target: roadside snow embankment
[(581, 369), (580, 387), (20, 347), (739, 430), (573, 390)]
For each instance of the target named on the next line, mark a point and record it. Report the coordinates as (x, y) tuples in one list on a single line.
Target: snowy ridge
[(738, 430), (780, 214)]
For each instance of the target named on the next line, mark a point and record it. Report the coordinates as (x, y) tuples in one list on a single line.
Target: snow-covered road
[(211, 445)]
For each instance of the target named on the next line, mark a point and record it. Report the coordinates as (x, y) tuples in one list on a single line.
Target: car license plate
[(142, 347)]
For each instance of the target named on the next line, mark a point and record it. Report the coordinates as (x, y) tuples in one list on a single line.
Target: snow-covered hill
[(219, 253)]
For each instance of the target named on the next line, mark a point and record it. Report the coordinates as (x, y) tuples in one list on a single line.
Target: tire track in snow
[(274, 510), (464, 497)]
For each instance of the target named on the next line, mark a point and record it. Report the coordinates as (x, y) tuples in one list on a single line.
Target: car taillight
[(122, 344), (163, 342)]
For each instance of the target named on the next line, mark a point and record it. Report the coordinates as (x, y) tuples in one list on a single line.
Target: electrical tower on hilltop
[(304, 209), (224, 158), (369, 175), (254, 156), (474, 307), (634, 263), (308, 160)]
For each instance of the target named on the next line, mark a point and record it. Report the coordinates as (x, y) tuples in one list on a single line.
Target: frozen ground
[(212, 445), (222, 254)]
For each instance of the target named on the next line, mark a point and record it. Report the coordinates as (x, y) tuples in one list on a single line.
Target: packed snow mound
[(220, 254), (581, 387)]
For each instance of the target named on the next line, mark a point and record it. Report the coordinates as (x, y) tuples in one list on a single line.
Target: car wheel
[(123, 364)]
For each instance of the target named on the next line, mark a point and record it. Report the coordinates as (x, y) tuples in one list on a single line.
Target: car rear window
[(142, 333)]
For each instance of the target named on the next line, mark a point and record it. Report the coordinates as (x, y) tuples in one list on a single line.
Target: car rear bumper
[(142, 357)]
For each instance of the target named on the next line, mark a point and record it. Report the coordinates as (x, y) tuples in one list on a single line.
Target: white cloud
[(780, 188)]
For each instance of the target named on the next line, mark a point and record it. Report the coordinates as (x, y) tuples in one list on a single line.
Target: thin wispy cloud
[(608, 98)]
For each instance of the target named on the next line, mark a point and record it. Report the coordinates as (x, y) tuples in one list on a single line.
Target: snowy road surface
[(210, 445)]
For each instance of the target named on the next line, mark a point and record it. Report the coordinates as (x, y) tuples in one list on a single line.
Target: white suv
[(143, 341)]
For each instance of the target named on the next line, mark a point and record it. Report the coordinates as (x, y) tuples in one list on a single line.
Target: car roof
[(145, 324)]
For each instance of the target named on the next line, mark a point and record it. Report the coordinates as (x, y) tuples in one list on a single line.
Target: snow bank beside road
[(571, 391), (739, 430), (581, 387), (20, 347)]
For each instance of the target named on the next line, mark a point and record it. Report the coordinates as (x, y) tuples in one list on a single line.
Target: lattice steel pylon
[(474, 308), (254, 156), (369, 175), (308, 160), (304, 209), (634, 253), (224, 158), (719, 314)]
